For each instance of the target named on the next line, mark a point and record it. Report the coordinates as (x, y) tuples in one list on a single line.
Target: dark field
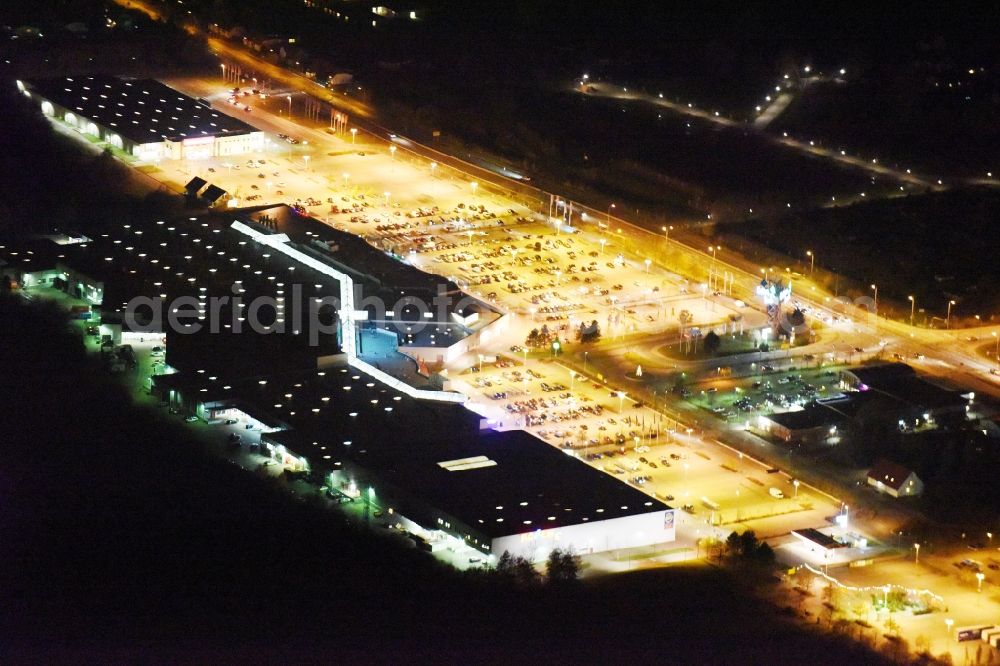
[(935, 246)]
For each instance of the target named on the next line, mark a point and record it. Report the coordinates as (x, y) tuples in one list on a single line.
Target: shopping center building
[(431, 469), (142, 117)]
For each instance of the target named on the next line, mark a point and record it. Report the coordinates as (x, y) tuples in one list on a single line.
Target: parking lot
[(524, 262), (768, 391), (713, 484)]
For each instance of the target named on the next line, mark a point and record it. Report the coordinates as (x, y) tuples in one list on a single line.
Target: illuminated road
[(838, 157)]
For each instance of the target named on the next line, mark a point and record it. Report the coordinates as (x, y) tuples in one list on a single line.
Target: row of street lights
[(913, 306)]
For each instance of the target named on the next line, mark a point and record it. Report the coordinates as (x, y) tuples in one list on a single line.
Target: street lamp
[(795, 484), (603, 243), (609, 214), (916, 553), (289, 98), (354, 134), (812, 261), (223, 66), (386, 199), (989, 535), (948, 623), (572, 377), (474, 185), (648, 262), (947, 319), (996, 350), (621, 401), (666, 232), (392, 151), (875, 289), (346, 176), (713, 249), (913, 306), (979, 581), (433, 166)]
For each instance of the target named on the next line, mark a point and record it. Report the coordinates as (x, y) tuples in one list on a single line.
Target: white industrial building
[(143, 117)]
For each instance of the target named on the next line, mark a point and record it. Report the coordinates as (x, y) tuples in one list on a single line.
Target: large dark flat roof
[(140, 110), (378, 274), (811, 416), (531, 480), (363, 260), (902, 382), (200, 257)]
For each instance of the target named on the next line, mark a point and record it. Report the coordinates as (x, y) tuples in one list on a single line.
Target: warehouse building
[(917, 396), (430, 466), (143, 117), (47, 262)]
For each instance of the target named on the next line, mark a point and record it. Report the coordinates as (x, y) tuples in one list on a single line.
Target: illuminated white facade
[(643, 529), (143, 118), (349, 315)]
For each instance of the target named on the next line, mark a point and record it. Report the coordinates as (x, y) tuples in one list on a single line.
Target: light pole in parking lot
[(386, 199), (572, 377), (354, 135), (474, 185), (648, 262), (666, 232), (713, 249), (609, 214), (603, 243), (913, 305), (947, 319), (812, 261), (392, 151), (621, 401), (874, 288), (289, 98), (346, 176), (434, 165), (795, 484), (916, 553)]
